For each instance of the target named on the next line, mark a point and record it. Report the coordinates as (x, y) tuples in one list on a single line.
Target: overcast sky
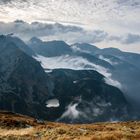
[(106, 23)]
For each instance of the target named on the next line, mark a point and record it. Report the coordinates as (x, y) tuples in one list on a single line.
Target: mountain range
[(77, 83)]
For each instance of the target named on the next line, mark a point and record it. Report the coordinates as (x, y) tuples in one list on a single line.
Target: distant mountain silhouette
[(49, 49)]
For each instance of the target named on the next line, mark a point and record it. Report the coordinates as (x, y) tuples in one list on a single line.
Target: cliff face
[(23, 84)]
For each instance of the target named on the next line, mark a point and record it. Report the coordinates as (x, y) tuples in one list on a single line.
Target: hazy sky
[(119, 20)]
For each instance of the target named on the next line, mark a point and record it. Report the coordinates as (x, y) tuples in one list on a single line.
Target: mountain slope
[(16, 126), (49, 49), (124, 67), (23, 84), (131, 58), (73, 96), (85, 97), (127, 74), (84, 47), (5, 40)]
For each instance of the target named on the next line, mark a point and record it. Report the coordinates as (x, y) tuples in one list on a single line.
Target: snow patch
[(112, 82), (74, 82), (48, 70), (108, 60), (77, 49), (52, 103)]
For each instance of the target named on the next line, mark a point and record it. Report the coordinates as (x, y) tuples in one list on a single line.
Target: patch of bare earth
[(18, 127)]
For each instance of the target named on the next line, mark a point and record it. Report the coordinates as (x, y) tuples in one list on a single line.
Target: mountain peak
[(19, 21), (85, 47), (58, 42), (35, 40), (9, 39), (2, 36), (50, 48), (111, 49)]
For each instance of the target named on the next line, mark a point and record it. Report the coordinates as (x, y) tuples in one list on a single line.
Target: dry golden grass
[(18, 127)]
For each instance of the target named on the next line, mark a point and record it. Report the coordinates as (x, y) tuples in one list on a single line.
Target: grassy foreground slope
[(15, 126)]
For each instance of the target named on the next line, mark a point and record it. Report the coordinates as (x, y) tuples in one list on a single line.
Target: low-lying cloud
[(127, 39), (26, 30), (76, 63), (68, 33), (56, 31)]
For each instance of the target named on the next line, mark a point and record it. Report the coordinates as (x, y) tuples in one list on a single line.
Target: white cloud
[(76, 63), (114, 17), (126, 39), (25, 30), (82, 36), (94, 107), (71, 112), (93, 13)]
